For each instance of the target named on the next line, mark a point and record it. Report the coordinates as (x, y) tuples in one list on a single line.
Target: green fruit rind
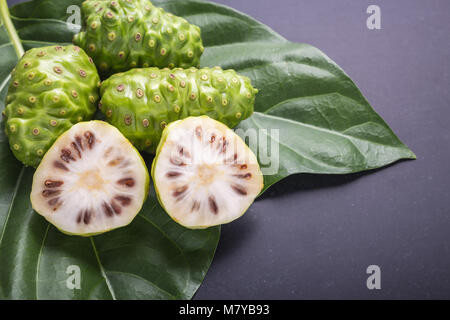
[(120, 35), (141, 102), (51, 89)]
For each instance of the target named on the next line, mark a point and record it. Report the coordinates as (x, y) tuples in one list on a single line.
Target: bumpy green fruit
[(120, 35), (141, 102), (52, 88)]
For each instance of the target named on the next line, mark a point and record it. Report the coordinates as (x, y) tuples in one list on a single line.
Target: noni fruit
[(120, 35), (141, 102), (51, 89), (90, 181), (204, 173)]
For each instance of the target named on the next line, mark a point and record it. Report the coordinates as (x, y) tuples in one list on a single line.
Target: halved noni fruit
[(204, 174), (90, 181)]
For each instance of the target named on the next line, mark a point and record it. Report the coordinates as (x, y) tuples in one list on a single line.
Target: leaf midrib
[(331, 132), (102, 270), (314, 160), (39, 259), (13, 199)]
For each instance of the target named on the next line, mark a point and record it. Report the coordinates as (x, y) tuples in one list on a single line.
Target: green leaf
[(152, 258), (307, 106), (324, 123), (306, 103)]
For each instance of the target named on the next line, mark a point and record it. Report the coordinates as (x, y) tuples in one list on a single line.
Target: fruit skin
[(51, 89), (147, 183), (120, 35), (161, 144), (140, 102)]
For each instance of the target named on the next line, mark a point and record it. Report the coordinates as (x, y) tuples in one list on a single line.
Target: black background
[(314, 236)]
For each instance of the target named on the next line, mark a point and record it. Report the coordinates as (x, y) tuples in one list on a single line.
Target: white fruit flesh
[(204, 173), (90, 181)]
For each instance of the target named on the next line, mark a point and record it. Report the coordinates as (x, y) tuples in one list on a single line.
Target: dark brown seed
[(243, 167), (116, 207), (60, 165), (239, 189), (173, 174), (213, 204), (78, 142), (87, 216), (80, 215), (66, 155), (75, 146), (195, 206), (90, 138), (179, 191), (213, 138), (108, 210), (53, 184), (124, 200), (48, 193), (248, 175), (129, 182)]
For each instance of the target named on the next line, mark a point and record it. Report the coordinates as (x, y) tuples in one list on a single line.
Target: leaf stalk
[(6, 18)]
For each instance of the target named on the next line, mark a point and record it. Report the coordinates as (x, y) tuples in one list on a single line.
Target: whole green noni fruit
[(141, 102), (51, 89), (124, 34)]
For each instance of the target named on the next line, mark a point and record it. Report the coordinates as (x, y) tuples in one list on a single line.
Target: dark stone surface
[(314, 236)]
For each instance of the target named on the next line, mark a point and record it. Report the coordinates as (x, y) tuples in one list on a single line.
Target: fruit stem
[(4, 14)]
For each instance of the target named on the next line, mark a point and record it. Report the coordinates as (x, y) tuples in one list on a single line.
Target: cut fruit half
[(90, 181), (204, 173)]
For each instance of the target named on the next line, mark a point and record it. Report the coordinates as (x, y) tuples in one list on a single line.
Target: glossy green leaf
[(324, 123), (152, 258)]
